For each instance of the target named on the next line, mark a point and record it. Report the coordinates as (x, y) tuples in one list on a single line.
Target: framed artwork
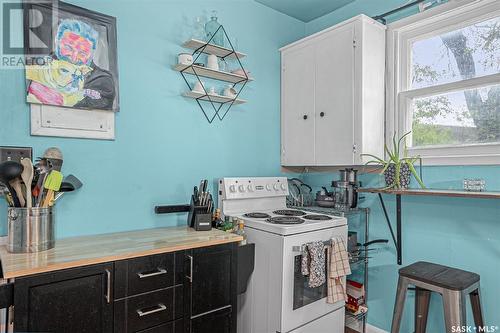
[(71, 57)]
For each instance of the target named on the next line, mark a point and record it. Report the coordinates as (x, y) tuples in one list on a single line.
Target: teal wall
[(163, 145), (463, 233)]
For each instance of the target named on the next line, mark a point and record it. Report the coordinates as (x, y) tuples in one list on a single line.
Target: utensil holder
[(195, 210), (30, 229)]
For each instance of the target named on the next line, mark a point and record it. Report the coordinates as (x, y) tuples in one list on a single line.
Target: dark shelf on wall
[(397, 237)]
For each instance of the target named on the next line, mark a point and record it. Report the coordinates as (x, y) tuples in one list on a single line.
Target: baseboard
[(373, 329)]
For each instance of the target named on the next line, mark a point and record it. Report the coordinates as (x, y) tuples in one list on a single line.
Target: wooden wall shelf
[(435, 192), (422, 192), (213, 98), (223, 52), (211, 73)]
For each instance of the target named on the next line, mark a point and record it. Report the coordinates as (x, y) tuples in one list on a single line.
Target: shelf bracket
[(397, 239)]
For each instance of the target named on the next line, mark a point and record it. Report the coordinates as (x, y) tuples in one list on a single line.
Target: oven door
[(301, 304)]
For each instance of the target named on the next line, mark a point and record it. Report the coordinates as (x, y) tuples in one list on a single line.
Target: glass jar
[(213, 31)]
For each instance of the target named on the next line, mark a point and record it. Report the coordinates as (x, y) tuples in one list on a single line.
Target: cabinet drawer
[(172, 327), (148, 310), (144, 274)]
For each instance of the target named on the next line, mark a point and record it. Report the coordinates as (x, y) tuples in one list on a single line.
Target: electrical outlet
[(15, 153)]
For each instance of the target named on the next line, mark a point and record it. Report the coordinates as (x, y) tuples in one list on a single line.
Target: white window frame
[(400, 34)]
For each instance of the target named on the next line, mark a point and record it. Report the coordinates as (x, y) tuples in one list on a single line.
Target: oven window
[(302, 294)]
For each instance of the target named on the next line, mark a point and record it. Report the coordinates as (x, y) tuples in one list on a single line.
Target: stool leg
[(475, 300), (422, 300), (399, 304), (454, 310)]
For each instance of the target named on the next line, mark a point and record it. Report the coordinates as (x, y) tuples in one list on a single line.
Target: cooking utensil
[(73, 181), (27, 177), (69, 184), (10, 170), (55, 157), (52, 184), (16, 184)]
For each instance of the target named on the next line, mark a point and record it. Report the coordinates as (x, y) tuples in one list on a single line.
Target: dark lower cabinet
[(216, 322), (192, 291), (210, 290), (75, 300)]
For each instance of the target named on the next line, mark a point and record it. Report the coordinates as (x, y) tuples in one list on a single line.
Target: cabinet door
[(334, 96), (211, 286), (216, 322), (297, 106), (74, 300)]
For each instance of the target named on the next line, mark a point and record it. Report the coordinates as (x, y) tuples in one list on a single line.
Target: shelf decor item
[(198, 90), (213, 32), (397, 170)]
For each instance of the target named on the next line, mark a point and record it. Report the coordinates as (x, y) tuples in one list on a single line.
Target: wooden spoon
[(27, 177)]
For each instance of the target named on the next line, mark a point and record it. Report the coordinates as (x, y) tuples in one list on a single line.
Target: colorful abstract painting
[(71, 57)]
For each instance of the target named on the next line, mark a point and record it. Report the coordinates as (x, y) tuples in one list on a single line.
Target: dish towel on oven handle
[(338, 267), (313, 263)]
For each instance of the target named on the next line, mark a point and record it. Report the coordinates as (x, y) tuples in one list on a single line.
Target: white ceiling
[(305, 10)]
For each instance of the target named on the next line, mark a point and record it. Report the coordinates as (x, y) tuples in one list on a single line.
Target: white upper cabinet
[(332, 95)]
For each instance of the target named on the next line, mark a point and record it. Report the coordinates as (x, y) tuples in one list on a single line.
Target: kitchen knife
[(195, 194)]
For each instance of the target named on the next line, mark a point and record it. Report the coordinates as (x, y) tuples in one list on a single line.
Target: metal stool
[(453, 284)]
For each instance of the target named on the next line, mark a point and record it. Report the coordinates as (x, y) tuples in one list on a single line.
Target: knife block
[(198, 216)]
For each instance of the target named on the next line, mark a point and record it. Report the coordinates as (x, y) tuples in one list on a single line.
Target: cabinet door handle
[(108, 286), (158, 308), (190, 276), (159, 271), (321, 114), (305, 117)]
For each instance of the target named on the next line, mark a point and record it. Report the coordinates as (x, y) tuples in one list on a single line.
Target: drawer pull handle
[(160, 271), (160, 307), (190, 276), (108, 286)]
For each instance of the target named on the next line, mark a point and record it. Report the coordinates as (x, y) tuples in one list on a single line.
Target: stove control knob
[(232, 188), (283, 187), (276, 187), (250, 188), (268, 187), (241, 188)]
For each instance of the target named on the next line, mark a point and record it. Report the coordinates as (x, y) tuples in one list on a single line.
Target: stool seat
[(439, 275), (454, 285)]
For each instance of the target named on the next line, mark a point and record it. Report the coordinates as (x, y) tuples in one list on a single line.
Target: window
[(444, 83)]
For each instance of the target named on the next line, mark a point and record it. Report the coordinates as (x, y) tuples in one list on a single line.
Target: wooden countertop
[(88, 250)]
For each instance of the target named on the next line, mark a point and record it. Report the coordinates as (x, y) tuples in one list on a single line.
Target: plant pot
[(404, 176)]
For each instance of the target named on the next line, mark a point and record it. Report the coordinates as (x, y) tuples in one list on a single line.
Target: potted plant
[(397, 169)]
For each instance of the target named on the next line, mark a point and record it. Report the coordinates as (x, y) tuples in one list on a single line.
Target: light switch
[(15, 153)]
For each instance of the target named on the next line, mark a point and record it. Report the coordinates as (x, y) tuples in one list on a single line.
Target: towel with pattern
[(338, 268), (313, 263)]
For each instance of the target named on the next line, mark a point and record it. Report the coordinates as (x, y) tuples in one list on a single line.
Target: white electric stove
[(278, 298)]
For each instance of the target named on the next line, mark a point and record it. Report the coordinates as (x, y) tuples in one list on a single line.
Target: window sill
[(481, 154)]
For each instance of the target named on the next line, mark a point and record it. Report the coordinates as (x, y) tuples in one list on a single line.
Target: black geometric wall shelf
[(210, 101)]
